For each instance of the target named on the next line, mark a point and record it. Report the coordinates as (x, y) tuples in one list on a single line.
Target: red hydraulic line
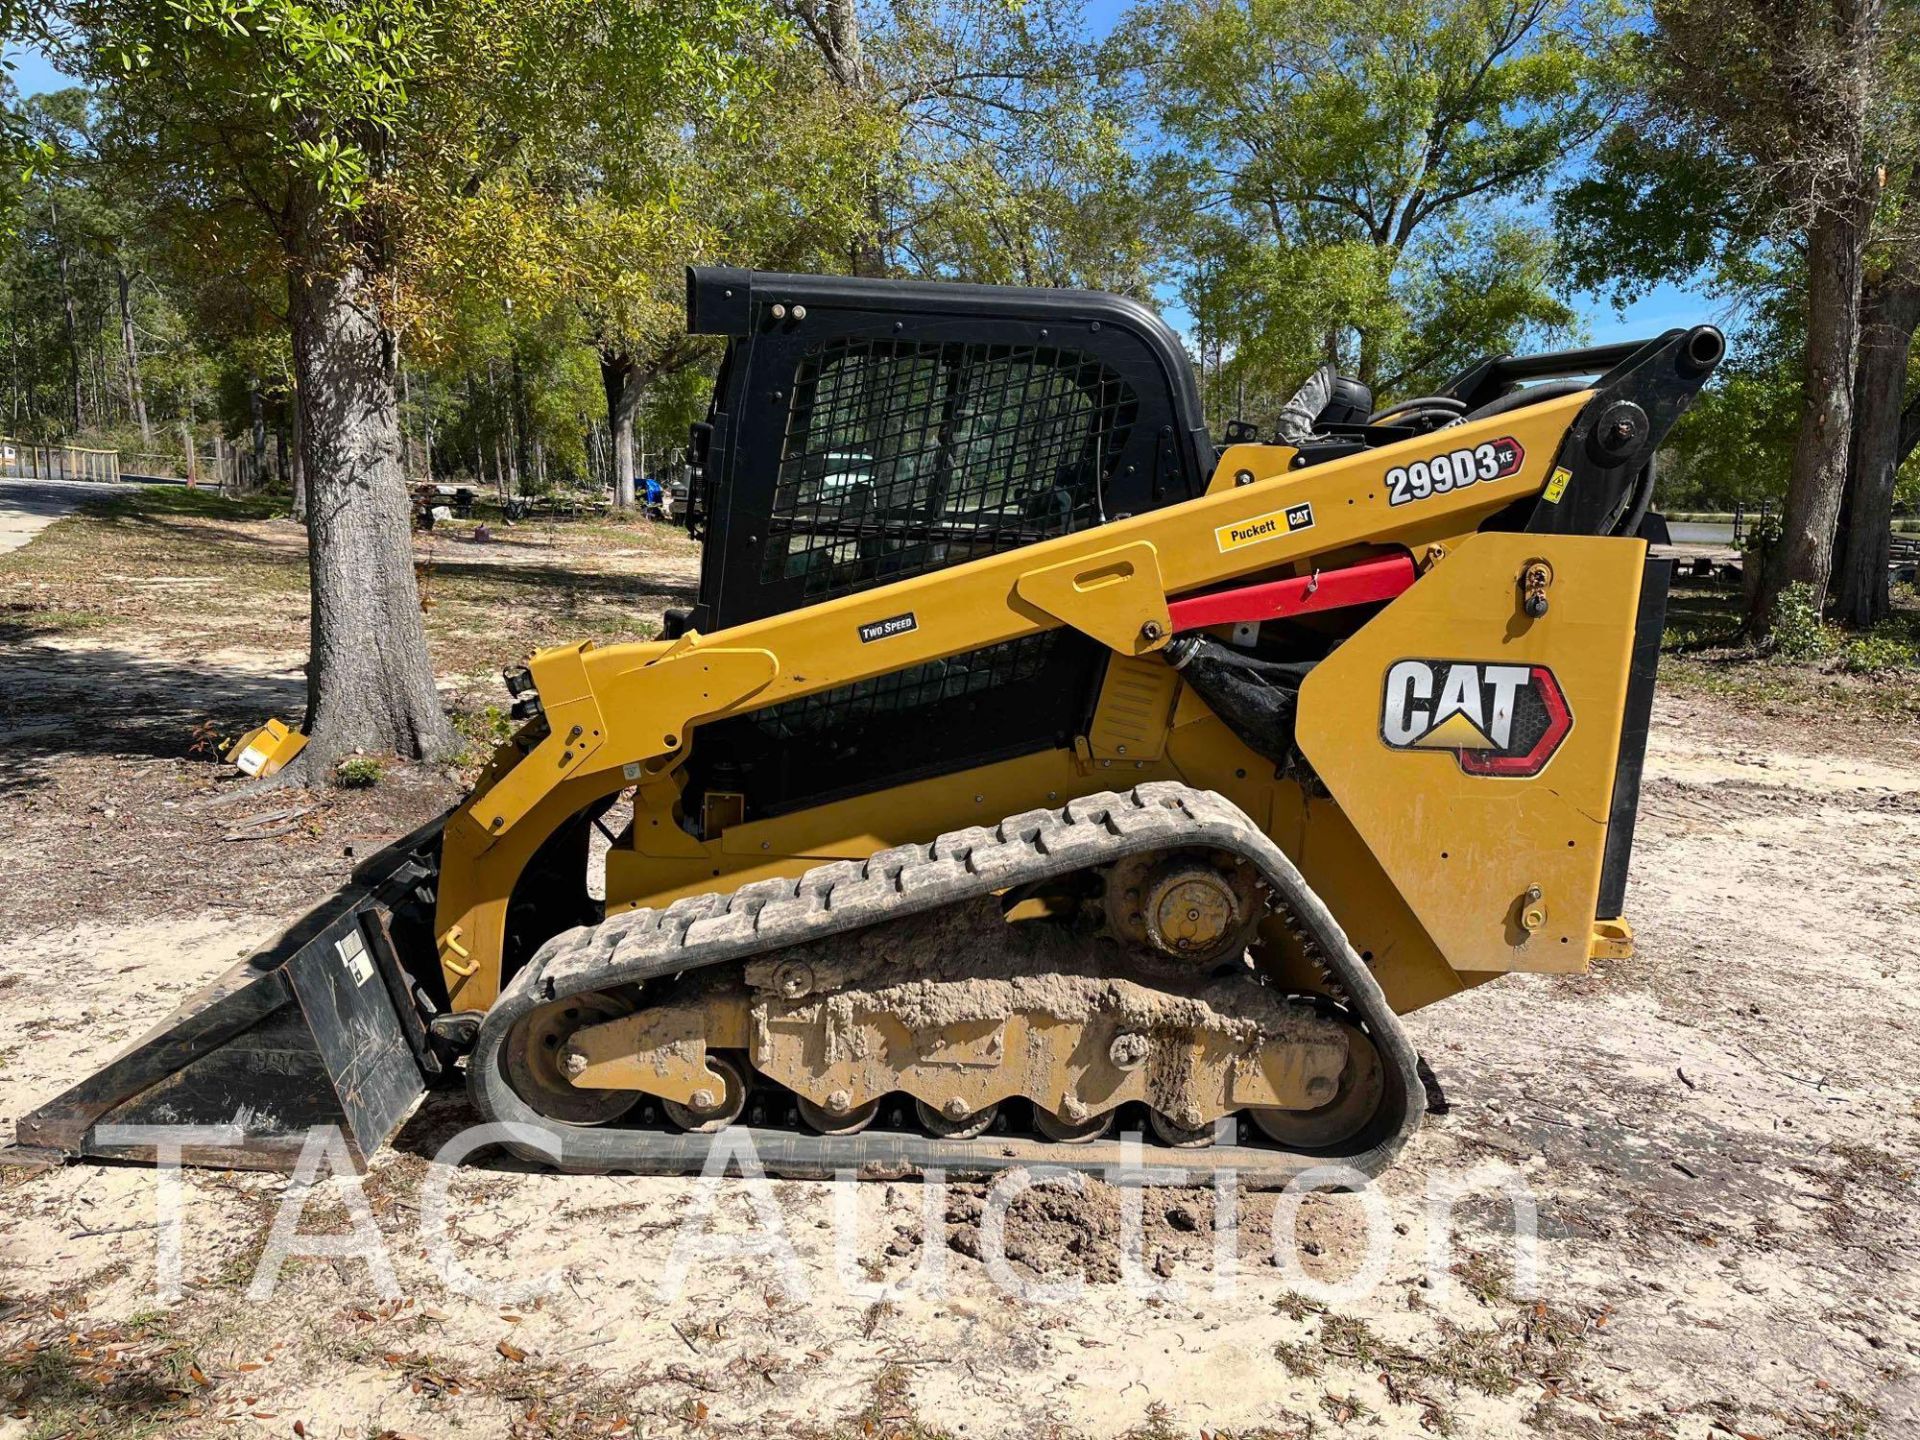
[(1361, 584)]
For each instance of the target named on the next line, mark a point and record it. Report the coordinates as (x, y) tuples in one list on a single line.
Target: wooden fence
[(23, 460)]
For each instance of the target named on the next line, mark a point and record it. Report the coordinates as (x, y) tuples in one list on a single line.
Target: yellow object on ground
[(262, 752)]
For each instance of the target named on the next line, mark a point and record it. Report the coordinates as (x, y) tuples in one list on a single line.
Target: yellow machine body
[(1427, 867)]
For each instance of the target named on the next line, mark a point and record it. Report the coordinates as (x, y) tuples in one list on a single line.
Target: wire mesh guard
[(915, 688), (904, 457)]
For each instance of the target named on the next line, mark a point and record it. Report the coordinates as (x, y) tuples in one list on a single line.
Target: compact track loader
[(1032, 769)]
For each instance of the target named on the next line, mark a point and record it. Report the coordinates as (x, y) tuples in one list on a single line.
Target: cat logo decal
[(1494, 719)]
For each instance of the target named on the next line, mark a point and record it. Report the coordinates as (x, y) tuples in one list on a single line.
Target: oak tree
[(338, 133)]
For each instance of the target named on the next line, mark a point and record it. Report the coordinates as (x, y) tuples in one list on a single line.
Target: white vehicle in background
[(846, 471)]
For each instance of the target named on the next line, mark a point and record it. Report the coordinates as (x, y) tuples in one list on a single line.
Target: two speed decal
[(1493, 719), (886, 629), (1455, 470)]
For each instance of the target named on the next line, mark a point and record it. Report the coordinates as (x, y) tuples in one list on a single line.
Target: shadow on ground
[(562, 583), (111, 702)]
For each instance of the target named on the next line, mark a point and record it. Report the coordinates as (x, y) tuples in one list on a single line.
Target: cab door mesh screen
[(900, 457)]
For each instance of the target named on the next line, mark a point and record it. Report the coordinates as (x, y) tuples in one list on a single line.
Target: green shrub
[(1880, 650), (1797, 632), (357, 772), (1672, 639)]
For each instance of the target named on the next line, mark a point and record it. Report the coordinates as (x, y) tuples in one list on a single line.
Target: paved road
[(28, 506)]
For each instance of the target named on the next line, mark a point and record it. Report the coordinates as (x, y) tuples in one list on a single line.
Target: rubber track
[(907, 880)]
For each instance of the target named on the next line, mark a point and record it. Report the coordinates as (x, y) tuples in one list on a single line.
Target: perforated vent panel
[(900, 458)]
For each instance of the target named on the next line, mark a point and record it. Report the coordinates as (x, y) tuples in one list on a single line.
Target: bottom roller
[(321, 1028)]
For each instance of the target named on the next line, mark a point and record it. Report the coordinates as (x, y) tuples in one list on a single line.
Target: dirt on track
[(1721, 1137)]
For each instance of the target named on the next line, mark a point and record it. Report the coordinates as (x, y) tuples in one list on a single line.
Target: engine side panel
[(1473, 745)]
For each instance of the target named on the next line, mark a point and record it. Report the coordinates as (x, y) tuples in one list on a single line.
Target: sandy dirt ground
[(1720, 1137)]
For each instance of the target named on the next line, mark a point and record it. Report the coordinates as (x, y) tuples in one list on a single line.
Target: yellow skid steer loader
[(1032, 769)]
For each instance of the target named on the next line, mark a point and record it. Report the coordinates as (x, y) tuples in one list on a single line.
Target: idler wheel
[(535, 1060)]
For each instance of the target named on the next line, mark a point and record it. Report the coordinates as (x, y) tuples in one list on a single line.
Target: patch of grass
[(637, 533), (1869, 1162), (1352, 1340), (358, 772), (77, 1294), (24, 619), (200, 501), (106, 1381), (1836, 1416), (1344, 1409), (239, 1265), (1156, 1424), (186, 565), (1486, 1279), (1533, 1343), (1296, 1306), (1300, 1358), (888, 1413), (1850, 1419)]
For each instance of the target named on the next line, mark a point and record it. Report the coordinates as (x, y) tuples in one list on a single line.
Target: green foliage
[(1885, 648), (1651, 208), (358, 772), (1796, 631), (391, 102), (1066, 202), (1736, 444), (1751, 119), (1344, 162)]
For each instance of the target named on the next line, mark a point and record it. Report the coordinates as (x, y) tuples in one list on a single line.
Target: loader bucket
[(320, 1028)]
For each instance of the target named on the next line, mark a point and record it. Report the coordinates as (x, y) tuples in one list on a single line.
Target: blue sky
[(1663, 308), (33, 73)]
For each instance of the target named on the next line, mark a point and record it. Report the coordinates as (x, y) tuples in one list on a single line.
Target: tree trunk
[(72, 316), (257, 412), (299, 508), (1835, 247), (1889, 313), (406, 407), (136, 393), (13, 364), (370, 678), (193, 457), (835, 32), (620, 375)]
